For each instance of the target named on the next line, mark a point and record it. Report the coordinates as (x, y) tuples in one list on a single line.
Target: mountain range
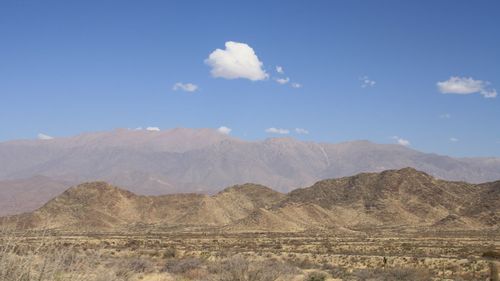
[(202, 161), (393, 198)]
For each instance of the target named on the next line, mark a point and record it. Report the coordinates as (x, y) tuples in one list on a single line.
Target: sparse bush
[(492, 254), (494, 272), (170, 252), (392, 274), (138, 265), (316, 276), (237, 268), (182, 266), (335, 271)]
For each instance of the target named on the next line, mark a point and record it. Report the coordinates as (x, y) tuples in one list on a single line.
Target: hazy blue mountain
[(204, 160)]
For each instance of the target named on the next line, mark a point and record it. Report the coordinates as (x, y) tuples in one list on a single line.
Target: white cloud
[(277, 131), (296, 85), (401, 141), (186, 87), (445, 116), (489, 93), (282, 81), (301, 131), (466, 86), (280, 69), (238, 60), (453, 139), (153, 129), (41, 136), (224, 130), (367, 82)]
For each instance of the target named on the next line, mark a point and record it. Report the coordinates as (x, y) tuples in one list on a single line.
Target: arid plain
[(394, 225)]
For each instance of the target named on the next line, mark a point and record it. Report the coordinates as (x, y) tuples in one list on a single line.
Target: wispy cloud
[(282, 81), (280, 70), (401, 141), (186, 87), (301, 131), (445, 116), (224, 130), (238, 60), (153, 129), (367, 82), (280, 131), (453, 139), (296, 85), (41, 136), (466, 86)]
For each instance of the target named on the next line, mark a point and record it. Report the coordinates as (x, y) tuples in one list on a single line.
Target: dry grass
[(243, 257)]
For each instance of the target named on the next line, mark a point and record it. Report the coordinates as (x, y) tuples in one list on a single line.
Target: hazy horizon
[(295, 136)]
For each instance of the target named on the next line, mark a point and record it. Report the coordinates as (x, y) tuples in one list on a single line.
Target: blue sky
[(68, 67)]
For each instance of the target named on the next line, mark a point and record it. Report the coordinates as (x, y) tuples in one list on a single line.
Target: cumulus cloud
[(401, 141), (224, 130), (466, 86), (238, 60), (41, 136), (453, 139), (367, 82), (301, 131), (280, 131), (280, 69), (186, 87), (296, 85), (153, 129), (282, 81)]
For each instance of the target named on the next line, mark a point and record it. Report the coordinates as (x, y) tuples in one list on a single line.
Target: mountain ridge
[(390, 198)]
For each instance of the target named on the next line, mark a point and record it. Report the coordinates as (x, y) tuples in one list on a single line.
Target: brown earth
[(393, 198)]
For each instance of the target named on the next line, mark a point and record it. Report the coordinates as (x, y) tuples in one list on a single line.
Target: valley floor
[(384, 255)]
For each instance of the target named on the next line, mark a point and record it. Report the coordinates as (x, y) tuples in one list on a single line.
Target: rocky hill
[(403, 197)]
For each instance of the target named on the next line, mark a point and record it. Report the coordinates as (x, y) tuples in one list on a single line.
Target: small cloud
[(466, 86), (238, 60), (41, 136), (186, 87), (401, 141), (282, 81), (224, 130), (153, 129), (296, 85), (367, 82), (280, 69), (301, 131), (277, 131), (445, 116), (453, 139)]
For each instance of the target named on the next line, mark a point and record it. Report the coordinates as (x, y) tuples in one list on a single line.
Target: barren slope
[(403, 197)]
